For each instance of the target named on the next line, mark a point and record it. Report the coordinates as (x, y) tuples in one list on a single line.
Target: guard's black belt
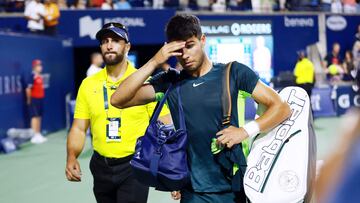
[(112, 161)]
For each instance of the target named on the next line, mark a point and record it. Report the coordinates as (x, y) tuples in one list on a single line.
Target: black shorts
[(36, 107)]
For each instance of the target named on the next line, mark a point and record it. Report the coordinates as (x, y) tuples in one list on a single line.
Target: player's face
[(113, 49), (192, 54)]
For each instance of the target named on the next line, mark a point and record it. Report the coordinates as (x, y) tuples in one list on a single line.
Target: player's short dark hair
[(183, 27)]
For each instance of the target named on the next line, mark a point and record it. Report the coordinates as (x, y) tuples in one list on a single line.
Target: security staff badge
[(113, 130)]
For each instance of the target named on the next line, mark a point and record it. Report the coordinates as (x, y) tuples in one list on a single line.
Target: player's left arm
[(277, 111)]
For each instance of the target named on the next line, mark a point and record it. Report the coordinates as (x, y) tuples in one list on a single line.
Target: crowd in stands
[(343, 68), (339, 68), (259, 6)]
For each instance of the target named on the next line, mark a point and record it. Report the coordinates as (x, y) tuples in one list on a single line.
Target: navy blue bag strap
[(159, 106), (181, 111), (154, 163)]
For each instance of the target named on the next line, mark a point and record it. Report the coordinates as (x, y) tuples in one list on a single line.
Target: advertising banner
[(341, 29)]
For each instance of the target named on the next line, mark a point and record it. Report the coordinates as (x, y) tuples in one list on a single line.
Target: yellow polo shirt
[(304, 71), (133, 120)]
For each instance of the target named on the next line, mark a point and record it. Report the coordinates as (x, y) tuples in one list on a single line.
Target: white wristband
[(252, 129)]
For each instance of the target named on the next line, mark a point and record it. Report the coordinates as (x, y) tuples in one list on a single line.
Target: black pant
[(114, 181), (307, 87), (50, 30)]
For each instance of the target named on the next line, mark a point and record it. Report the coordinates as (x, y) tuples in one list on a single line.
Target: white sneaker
[(38, 139)]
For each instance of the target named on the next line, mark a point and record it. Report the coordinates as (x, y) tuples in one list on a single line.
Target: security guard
[(114, 131)]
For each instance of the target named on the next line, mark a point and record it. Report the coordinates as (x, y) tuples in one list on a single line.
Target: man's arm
[(277, 111), (75, 144), (28, 95), (132, 91)]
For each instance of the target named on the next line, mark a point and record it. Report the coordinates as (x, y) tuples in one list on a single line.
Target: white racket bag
[(281, 165)]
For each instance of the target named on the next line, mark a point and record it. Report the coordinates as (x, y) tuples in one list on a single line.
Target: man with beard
[(114, 131)]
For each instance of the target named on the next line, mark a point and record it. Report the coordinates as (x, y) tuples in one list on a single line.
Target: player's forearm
[(131, 85), (273, 116)]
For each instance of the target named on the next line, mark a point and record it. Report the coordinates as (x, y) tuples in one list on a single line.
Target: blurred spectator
[(305, 73), (332, 64), (107, 5), (34, 13), (35, 94), (282, 5), (357, 34), (62, 4), (203, 4), (122, 5), (356, 48), (242, 5), (96, 3), (219, 6), (336, 6), (79, 4), (262, 6), (326, 5), (349, 67), (52, 15), (349, 6), (12, 5), (96, 63), (158, 4), (183, 4)]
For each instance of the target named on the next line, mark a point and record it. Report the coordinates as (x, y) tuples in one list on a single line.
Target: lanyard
[(106, 102), (113, 124)]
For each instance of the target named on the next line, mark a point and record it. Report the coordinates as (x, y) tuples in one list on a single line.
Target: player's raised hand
[(169, 50)]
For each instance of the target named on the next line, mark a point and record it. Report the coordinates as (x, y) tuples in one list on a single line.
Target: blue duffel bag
[(160, 158)]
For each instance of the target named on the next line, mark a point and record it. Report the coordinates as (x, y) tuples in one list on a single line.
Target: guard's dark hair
[(183, 27)]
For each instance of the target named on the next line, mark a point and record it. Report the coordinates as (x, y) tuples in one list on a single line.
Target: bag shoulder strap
[(159, 105), (180, 109), (226, 95)]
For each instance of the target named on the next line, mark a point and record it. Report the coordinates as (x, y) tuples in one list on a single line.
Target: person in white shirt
[(107, 5), (96, 63), (34, 13)]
